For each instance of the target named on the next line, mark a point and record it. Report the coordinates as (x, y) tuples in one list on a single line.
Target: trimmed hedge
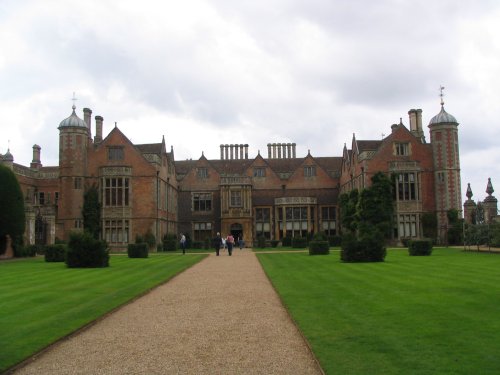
[(138, 250), (420, 247), (84, 251), (369, 249), (286, 241), (25, 251), (261, 242), (197, 245), (319, 248), (169, 242), (335, 240), (299, 242), (55, 253), (274, 243)]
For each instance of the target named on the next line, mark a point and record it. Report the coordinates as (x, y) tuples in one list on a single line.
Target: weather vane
[(74, 99), (441, 88)]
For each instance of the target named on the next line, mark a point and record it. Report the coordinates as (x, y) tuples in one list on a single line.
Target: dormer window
[(309, 171), (115, 153), (259, 172), (202, 173), (402, 149)]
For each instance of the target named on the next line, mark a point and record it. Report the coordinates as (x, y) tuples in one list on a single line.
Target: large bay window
[(263, 222), (116, 191)]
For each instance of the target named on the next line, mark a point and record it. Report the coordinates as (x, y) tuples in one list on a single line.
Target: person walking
[(183, 243), (230, 243), (217, 241)]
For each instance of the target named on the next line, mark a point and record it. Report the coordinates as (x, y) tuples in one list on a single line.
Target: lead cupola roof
[(73, 120)]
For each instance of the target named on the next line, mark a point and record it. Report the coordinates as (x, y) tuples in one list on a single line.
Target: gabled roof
[(150, 148), (368, 145)]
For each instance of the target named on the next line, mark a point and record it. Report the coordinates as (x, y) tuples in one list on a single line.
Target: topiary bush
[(169, 242), (55, 253), (370, 248), (299, 242), (420, 247), (261, 242), (197, 244), (21, 251), (286, 241), (207, 244), (319, 248), (335, 241), (138, 250), (150, 239), (84, 251)]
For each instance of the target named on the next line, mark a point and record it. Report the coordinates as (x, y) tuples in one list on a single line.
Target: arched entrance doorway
[(237, 231)]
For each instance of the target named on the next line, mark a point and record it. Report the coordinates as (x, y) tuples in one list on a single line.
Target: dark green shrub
[(299, 242), (139, 238), (320, 236), (207, 244), (12, 218), (159, 247), (21, 251), (405, 241), (274, 243), (169, 242), (150, 239), (420, 247), (55, 253), (319, 248), (138, 250), (84, 251), (286, 241), (197, 244), (261, 242), (370, 248), (335, 241)]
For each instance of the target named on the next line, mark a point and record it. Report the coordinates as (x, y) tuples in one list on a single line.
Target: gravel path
[(221, 316)]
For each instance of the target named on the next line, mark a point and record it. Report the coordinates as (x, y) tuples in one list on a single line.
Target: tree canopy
[(12, 217)]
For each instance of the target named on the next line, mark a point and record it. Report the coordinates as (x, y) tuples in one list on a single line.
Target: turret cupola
[(73, 121)]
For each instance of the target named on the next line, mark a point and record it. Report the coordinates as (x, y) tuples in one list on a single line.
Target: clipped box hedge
[(55, 253), (319, 248), (138, 250), (299, 242), (420, 247)]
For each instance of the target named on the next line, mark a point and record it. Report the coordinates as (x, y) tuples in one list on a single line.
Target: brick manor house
[(143, 188)]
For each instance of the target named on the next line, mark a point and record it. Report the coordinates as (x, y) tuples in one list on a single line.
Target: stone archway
[(236, 230)]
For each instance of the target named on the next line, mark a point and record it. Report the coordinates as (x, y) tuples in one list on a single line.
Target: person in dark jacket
[(217, 242)]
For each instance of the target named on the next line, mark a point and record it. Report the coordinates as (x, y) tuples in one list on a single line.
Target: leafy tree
[(455, 227), (348, 203), (91, 212), (12, 218), (429, 225), (375, 206)]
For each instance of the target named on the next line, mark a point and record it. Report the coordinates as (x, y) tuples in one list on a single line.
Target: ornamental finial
[(441, 88)]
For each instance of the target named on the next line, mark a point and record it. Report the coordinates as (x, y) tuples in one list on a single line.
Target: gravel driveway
[(222, 316)]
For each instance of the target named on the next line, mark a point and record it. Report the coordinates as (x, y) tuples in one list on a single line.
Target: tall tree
[(375, 207), (12, 217), (91, 212)]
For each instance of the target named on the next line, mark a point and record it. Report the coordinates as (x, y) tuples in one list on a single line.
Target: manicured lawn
[(41, 302), (408, 315)]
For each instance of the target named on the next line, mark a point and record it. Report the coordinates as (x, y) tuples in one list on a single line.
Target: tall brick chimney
[(98, 129)]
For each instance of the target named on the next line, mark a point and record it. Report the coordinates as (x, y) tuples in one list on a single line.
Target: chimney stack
[(87, 117), (35, 163), (221, 152), (98, 129), (246, 151)]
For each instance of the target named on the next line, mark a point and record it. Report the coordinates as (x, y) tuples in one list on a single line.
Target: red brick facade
[(143, 189)]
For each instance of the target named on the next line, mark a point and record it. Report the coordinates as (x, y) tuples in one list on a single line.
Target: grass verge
[(41, 302), (417, 315)]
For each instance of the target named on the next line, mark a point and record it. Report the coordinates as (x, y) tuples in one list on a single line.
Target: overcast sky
[(209, 72)]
